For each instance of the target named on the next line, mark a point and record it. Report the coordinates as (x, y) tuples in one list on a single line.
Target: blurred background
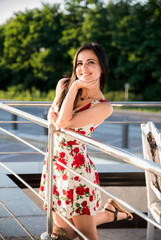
[(38, 40)]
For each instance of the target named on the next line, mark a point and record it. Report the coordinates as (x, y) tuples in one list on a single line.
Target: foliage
[(37, 46), (17, 93)]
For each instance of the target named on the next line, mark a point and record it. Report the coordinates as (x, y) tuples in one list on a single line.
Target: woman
[(80, 106)]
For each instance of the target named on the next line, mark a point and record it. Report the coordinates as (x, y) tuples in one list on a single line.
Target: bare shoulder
[(62, 81), (104, 109), (106, 104)]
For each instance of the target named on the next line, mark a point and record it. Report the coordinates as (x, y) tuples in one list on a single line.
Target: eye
[(79, 63), (91, 62)]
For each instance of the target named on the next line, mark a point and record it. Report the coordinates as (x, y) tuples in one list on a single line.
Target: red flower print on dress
[(64, 144), (62, 154), (64, 192), (91, 162), (71, 153), (84, 108), (84, 203), (76, 178), (76, 150), (85, 210), (103, 100), (80, 190), (54, 189), (92, 129), (65, 177), (44, 176), (86, 190), (77, 210), (71, 143), (41, 188), (55, 192), (97, 204), (82, 132), (67, 202), (59, 167), (96, 178), (59, 202), (91, 198), (70, 194), (79, 160)]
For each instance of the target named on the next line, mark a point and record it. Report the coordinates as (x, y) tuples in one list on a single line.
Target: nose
[(84, 65)]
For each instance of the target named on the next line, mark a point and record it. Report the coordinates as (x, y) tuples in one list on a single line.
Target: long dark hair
[(100, 53)]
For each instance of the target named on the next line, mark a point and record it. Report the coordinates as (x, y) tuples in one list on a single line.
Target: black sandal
[(118, 209)]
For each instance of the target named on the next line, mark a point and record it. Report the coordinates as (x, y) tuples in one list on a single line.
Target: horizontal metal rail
[(110, 122), (21, 180), (126, 122), (22, 140), (15, 122), (116, 104), (25, 115), (116, 152), (9, 153), (4, 206)]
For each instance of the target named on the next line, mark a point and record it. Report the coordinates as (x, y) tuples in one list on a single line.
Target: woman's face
[(88, 67)]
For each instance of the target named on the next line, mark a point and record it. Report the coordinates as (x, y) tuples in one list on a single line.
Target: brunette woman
[(80, 106)]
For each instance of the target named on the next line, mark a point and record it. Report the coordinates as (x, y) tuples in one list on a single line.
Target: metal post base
[(45, 236)]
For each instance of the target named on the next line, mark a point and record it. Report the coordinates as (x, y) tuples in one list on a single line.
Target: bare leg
[(105, 216), (62, 224), (86, 225)]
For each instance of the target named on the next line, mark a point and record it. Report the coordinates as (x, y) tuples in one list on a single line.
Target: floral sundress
[(73, 196)]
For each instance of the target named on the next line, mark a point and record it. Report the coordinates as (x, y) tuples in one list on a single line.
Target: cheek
[(99, 70), (77, 72)]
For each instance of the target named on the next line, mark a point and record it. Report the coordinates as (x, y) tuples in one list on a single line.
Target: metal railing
[(113, 151)]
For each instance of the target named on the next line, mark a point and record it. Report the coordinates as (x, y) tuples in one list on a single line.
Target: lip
[(85, 74)]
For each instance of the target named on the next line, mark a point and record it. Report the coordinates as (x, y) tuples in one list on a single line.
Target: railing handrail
[(16, 219), (116, 152), (113, 151), (114, 103), (25, 115), (104, 191)]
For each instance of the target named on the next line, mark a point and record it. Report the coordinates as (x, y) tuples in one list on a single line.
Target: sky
[(8, 7)]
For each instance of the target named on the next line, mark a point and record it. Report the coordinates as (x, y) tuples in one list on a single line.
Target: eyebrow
[(87, 60)]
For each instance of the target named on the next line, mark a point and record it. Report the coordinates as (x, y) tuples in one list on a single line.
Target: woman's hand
[(52, 118), (83, 83)]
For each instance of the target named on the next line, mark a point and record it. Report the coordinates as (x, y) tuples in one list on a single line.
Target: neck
[(93, 93)]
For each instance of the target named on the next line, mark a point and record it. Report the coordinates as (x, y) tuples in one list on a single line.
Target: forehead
[(86, 54)]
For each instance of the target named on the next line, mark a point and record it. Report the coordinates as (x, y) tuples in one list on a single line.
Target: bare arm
[(52, 113), (96, 114)]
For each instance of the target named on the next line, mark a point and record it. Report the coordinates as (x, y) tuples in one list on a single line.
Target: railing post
[(125, 131), (47, 235), (45, 117), (14, 125)]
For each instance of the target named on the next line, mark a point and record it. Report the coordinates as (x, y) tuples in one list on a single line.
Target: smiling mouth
[(85, 74)]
